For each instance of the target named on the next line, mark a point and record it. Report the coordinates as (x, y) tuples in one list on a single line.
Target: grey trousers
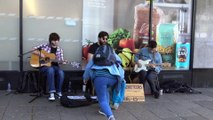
[(152, 78)]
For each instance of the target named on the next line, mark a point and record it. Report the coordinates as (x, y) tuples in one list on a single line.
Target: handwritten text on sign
[(134, 93)]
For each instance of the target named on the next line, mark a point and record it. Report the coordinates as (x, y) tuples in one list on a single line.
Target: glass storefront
[(42, 17), (171, 27), (127, 22), (203, 42), (173, 32), (9, 34)]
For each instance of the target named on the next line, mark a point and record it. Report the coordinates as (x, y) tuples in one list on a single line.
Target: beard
[(102, 43)]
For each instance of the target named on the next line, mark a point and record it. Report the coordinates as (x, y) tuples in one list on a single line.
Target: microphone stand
[(39, 92), (28, 52)]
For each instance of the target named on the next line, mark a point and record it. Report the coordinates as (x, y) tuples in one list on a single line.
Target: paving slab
[(176, 106)]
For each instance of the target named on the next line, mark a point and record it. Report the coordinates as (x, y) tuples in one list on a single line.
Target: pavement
[(175, 106)]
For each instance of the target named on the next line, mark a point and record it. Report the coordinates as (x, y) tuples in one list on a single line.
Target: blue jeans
[(101, 87), (52, 73)]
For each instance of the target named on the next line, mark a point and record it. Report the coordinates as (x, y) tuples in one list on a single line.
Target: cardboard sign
[(134, 93)]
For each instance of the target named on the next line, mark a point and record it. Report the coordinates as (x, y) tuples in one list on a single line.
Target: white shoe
[(111, 117), (59, 94), (52, 97), (115, 106), (102, 113)]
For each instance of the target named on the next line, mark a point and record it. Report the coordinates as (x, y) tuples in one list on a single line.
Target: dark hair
[(54, 37), (152, 44), (102, 34)]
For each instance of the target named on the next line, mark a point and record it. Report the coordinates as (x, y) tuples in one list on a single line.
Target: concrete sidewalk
[(177, 106)]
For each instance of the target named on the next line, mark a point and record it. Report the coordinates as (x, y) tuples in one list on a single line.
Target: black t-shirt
[(53, 50), (93, 48)]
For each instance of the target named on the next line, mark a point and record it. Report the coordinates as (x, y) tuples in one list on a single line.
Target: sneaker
[(111, 117), (102, 113), (115, 106), (52, 97), (59, 94)]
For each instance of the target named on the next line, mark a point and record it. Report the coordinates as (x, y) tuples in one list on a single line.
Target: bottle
[(69, 86), (8, 87), (84, 88), (161, 91)]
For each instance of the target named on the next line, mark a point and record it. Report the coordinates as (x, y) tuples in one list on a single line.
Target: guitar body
[(143, 67), (34, 60)]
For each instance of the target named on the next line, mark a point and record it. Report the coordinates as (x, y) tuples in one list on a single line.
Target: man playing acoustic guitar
[(148, 63), (50, 51)]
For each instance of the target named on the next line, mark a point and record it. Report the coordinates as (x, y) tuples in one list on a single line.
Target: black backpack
[(173, 86), (28, 83), (104, 56)]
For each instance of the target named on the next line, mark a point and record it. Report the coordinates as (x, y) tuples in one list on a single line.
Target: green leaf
[(117, 35)]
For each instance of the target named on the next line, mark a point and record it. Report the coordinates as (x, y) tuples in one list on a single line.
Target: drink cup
[(84, 88), (161, 92)]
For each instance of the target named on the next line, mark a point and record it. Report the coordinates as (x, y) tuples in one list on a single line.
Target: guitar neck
[(154, 64), (158, 64)]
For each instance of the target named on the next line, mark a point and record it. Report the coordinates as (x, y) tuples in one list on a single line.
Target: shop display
[(123, 45), (141, 25), (166, 41), (117, 35), (127, 57), (170, 24), (173, 35), (182, 51), (127, 43)]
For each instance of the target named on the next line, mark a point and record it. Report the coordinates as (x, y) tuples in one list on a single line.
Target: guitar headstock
[(75, 64)]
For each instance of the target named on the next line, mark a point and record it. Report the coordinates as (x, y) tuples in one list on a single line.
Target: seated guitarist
[(153, 68), (52, 48)]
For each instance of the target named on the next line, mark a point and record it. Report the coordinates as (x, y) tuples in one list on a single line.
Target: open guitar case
[(72, 100)]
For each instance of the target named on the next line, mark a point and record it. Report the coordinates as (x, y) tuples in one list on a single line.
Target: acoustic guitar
[(144, 64), (46, 61)]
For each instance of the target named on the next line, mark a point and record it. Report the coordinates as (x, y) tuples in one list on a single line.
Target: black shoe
[(156, 95)]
